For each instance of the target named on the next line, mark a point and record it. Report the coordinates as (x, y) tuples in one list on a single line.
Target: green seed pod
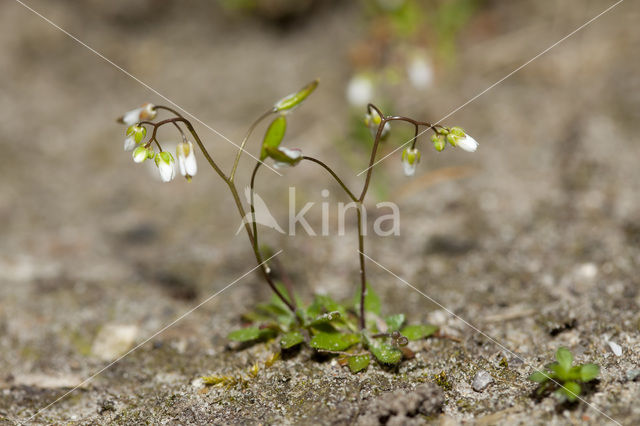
[(273, 135), (295, 99)]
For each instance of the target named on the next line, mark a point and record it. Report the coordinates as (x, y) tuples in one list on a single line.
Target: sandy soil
[(537, 246)]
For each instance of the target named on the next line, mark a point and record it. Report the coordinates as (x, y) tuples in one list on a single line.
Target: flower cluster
[(455, 136), (136, 133)]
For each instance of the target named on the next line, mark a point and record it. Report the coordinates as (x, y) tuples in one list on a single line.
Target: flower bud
[(410, 159), (372, 120), (165, 163), (186, 160), (135, 135), (145, 112), (284, 157), (438, 142), (457, 137), (140, 154)]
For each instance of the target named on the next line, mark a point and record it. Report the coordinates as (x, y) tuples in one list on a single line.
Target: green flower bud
[(438, 142), (137, 132)]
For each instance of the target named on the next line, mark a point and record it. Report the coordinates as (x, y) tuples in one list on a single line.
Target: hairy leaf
[(333, 341), (358, 362), (386, 354), (564, 357), (291, 339), (417, 332), (394, 322), (589, 372)]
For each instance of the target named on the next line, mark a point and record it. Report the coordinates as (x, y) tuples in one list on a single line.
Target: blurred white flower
[(186, 159), (420, 72), (359, 90), (145, 112), (166, 166), (129, 143)]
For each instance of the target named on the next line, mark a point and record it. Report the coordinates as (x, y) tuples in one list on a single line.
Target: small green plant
[(325, 325), (564, 376)]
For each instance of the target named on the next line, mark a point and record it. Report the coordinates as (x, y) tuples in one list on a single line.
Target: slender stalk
[(363, 274), (244, 141), (232, 188), (332, 173)]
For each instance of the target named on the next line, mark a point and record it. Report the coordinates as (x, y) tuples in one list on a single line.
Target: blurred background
[(544, 216)]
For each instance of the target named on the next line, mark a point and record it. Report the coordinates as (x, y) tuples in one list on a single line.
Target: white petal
[(181, 165), (129, 143), (292, 153), (132, 117), (409, 169), (190, 165), (167, 171), (468, 143), (278, 165)]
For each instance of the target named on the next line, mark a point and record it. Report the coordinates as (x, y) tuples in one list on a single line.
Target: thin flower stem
[(363, 274), (244, 141), (332, 173), (234, 193)]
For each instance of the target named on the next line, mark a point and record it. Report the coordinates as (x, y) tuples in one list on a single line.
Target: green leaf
[(394, 322), (291, 339), (589, 372), (371, 301), (564, 357), (323, 303), (386, 354), (571, 390), (245, 334), (326, 318), (333, 341), (420, 331), (295, 99), (274, 135), (539, 377), (359, 362)]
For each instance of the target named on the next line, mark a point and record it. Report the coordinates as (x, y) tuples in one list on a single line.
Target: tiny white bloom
[(293, 157), (359, 90), (165, 163), (186, 159), (410, 160), (129, 143), (468, 143), (373, 120), (145, 112), (420, 72), (140, 154)]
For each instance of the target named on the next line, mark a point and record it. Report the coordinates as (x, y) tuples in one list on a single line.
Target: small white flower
[(166, 163), (186, 160), (359, 90), (140, 154), (410, 160), (129, 143), (458, 138), (290, 157), (145, 112), (420, 72), (373, 120), (468, 143)]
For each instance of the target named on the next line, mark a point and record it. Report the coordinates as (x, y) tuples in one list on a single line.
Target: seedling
[(354, 331), (564, 376)]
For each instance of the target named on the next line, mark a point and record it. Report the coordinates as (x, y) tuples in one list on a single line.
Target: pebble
[(113, 340), (481, 380), (615, 348), (633, 374)]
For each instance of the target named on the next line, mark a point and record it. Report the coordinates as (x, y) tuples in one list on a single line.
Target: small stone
[(113, 340), (615, 348), (633, 374), (481, 380)]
